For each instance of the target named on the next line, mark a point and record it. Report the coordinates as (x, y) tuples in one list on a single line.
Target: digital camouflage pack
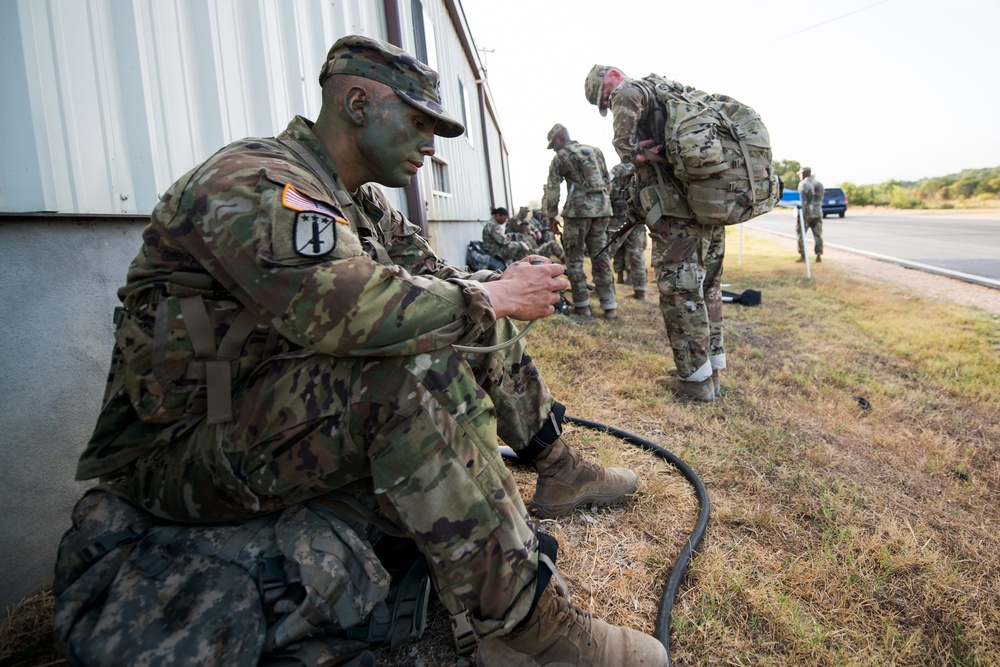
[(301, 586)]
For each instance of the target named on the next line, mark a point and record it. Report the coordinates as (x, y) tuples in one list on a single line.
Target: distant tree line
[(968, 187)]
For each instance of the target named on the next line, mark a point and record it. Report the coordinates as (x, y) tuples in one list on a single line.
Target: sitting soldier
[(286, 334)]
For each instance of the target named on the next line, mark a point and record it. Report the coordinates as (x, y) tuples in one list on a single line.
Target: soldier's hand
[(528, 289), (647, 145), (554, 226)]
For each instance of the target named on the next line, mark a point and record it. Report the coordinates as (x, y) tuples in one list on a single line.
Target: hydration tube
[(661, 629)]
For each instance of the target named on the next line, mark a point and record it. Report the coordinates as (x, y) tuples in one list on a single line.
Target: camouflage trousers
[(422, 428), (688, 258), (510, 251), (550, 249), (586, 236), (816, 226), (630, 254)]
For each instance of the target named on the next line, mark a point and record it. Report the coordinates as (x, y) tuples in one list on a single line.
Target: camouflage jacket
[(812, 197), (318, 269), (494, 236), (587, 182)]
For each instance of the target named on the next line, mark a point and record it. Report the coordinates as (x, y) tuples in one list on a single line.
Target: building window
[(439, 170), (423, 35), (466, 111)]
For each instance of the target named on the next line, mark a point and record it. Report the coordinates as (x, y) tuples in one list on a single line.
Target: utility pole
[(484, 51)]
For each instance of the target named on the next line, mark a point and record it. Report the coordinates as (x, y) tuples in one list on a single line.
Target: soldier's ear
[(357, 105)]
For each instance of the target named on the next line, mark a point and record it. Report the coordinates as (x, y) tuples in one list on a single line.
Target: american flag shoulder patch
[(290, 198)]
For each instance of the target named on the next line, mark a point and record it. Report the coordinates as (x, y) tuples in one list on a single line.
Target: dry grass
[(838, 536)]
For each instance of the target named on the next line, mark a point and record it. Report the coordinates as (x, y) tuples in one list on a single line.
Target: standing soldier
[(629, 251), (585, 217), (811, 191), (687, 256)]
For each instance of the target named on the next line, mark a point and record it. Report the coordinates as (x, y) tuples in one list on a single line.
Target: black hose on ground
[(662, 628)]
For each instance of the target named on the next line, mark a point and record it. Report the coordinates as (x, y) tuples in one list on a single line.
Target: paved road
[(966, 247)]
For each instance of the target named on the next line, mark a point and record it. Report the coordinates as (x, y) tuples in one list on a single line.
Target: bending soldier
[(687, 256)]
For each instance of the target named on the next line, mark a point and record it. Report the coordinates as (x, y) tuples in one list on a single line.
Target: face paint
[(394, 141)]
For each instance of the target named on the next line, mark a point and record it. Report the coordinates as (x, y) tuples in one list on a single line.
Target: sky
[(862, 91)]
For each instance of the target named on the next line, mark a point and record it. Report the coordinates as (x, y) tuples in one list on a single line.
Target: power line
[(791, 34)]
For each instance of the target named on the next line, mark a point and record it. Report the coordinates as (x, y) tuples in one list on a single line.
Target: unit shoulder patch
[(315, 229)]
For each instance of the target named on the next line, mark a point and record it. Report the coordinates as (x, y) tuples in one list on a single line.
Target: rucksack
[(717, 154), (300, 586), (477, 259), (590, 167)]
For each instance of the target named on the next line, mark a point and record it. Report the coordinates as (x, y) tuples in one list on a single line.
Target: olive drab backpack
[(717, 155)]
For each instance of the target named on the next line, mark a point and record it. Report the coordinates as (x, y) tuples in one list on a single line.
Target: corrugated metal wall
[(116, 99), (105, 103)]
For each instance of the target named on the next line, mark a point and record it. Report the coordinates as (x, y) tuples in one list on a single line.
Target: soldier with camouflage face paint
[(585, 217), (286, 332), (811, 192), (687, 256)]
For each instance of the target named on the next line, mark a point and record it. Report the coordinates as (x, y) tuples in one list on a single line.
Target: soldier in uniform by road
[(287, 332), (629, 252), (585, 217), (497, 242), (811, 192), (687, 256)]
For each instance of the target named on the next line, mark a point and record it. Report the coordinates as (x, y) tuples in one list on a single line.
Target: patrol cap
[(556, 129), (592, 86), (415, 83)]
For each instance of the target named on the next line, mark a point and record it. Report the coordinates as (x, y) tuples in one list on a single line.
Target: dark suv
[(834, 201)]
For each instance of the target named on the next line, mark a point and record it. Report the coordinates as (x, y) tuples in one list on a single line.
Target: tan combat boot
[(566, 481), (717, 383), (699, 391), (558, 633), (611, 315), (584, 313), (639, 295)]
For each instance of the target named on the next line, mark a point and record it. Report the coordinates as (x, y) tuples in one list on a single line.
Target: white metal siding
[(104, 98), (115, 100)]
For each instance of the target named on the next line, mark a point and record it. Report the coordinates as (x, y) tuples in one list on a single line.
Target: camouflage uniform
[(628, 252), (585, 220), (544, 248), (811, 191), (687, 256), (495, 242), (346, 371)]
